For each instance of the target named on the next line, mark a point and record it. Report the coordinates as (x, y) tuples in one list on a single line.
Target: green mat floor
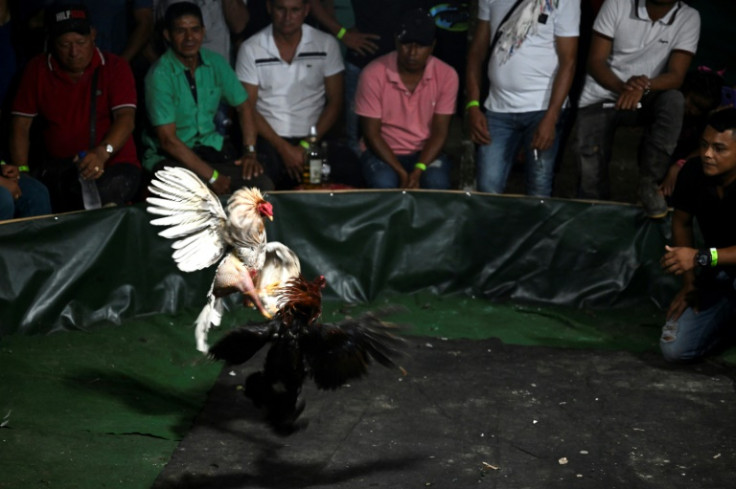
[(107, 407)]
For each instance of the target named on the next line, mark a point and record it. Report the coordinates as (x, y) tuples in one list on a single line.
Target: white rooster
[(193, 216)]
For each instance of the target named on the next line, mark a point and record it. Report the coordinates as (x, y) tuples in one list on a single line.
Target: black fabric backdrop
[(75, 270)]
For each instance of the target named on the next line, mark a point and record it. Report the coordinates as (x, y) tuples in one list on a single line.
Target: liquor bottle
[(90, 193), (326, 170), (314, 159)]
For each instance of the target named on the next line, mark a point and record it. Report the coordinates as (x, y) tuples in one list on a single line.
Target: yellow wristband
[(713, 257), (214, 177), (304, 144), (341, 33), (472, 103), (420, 165)]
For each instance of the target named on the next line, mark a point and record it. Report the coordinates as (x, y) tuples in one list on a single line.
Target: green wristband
[(214, 177), (24, 168), (472, 103), (713, 257), (304, 144), (420, 165), (341, 33)]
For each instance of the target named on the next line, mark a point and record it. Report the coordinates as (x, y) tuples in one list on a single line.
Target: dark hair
[(707, 84), (724, 120), (180, 9)]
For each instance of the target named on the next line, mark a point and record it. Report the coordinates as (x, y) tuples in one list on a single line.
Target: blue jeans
[(661, 114), (508, 131), (379, 174), (352, 130), (695, 334), (34, 200)]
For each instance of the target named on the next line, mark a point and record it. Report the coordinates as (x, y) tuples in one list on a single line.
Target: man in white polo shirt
[(639, 55), (294, 73)]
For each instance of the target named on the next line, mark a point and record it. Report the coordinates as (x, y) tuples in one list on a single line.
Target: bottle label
[(315, 170)]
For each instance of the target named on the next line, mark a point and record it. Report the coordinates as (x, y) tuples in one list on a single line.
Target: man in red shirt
[(59, 88)]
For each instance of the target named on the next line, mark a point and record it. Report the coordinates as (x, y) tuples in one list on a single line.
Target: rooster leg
[(248, 289), (232, 275)]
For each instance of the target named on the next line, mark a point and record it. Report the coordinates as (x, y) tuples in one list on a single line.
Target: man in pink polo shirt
[(405, 101)]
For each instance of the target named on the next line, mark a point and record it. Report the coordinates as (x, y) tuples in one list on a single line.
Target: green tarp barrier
[(74, 270)]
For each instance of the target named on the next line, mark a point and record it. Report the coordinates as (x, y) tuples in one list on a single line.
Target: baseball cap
[(67, 18), (416, 26)]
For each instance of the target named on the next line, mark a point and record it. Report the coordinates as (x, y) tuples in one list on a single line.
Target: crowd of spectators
[(98, 95), (108, 91)]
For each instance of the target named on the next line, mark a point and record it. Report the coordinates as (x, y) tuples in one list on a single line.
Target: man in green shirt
[(183, 91)]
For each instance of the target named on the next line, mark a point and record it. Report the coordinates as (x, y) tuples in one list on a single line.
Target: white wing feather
[(193, 216), (280, 266)]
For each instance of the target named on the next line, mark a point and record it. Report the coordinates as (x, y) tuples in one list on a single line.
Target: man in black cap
[(406, 99), (86, 100)]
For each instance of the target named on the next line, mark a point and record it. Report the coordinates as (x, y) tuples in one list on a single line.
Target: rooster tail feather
[(211, 315)]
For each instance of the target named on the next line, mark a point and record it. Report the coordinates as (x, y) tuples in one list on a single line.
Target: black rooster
[(302, 347)]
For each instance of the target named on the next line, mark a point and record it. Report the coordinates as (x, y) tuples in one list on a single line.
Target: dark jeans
[(118, 185), (661, 114), (222, 161), (344, 164)]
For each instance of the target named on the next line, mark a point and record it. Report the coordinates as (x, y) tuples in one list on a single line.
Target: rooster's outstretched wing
[(337, 353), (280, 266), (240, 345), (193, 216)]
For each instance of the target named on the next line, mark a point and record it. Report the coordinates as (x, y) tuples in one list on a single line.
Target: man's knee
[(676, 347)]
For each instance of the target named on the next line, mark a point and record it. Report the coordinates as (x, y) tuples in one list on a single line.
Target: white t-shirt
[(524, 82), (640, 47), (291, 97)]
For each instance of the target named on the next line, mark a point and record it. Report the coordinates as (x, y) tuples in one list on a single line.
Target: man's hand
[(251, 167), (92, 166), (12, 186), (362, 43), (668, 184), (686, 297), (221, 186), (544, 136), (294, 159), (10, 171), (640, 82), (478, 126), (412, 180), (629, 99), (678, 260)]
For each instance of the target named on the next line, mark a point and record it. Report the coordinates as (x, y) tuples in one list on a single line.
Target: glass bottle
[(90, 193), (313, 167)]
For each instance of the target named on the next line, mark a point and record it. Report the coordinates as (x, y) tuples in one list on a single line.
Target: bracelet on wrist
[(24, 168), (420, 166), (304, 144), (249, 150), (341, 33), (214, 177), (713, 257), (472, 103)]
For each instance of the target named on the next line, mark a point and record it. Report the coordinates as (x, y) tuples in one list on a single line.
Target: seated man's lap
[(379, 174)]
